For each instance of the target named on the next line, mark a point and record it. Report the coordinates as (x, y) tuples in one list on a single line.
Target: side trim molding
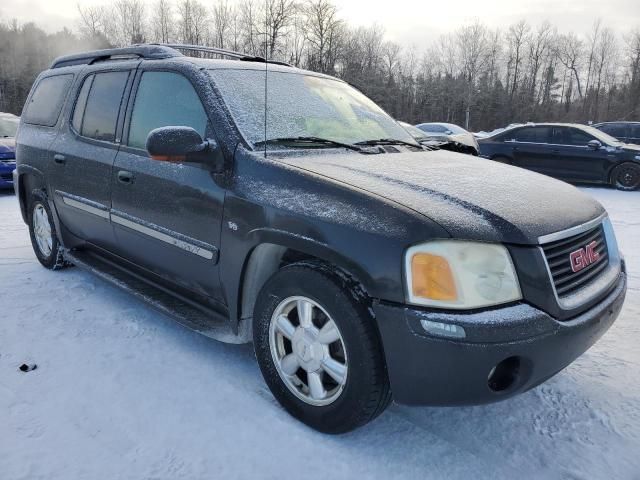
[(183, 242), (176, 239), (84, 204)]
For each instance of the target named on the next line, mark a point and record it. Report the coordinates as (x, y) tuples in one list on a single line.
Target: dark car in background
[(457, 137), (570, 152), (627, 132), (8, 127)]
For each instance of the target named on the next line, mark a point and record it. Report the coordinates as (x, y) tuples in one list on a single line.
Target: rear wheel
[(42, 232), (626, 176), (319, 350)]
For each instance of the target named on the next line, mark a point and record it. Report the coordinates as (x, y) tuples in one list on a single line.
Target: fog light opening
[(504, 374)]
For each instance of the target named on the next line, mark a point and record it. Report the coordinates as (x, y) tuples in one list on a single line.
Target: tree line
[(474, 75)]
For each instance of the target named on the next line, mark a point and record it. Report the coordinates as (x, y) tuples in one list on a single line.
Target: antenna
[(266, 70)]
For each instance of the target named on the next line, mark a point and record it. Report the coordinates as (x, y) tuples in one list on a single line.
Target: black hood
[(471, 198)]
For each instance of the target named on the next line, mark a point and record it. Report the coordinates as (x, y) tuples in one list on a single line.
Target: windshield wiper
[(308, 142), (387, 141)]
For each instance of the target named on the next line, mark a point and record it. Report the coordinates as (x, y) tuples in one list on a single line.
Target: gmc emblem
[(583, 257)]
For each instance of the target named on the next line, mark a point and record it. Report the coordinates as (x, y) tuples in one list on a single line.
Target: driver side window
[(165, 99), (572, 137)]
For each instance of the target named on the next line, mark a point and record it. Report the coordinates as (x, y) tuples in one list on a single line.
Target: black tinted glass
[(103, 105), (47, 100), (613, 129), (532, 134), (81, 103), (635, 132), (573, 136), (165, 99)]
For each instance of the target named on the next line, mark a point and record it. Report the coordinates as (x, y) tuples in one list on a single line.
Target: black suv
[(627, 132), (357, 262), (570, 152)]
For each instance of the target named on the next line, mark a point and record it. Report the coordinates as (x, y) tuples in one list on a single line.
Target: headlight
[(460, 275)]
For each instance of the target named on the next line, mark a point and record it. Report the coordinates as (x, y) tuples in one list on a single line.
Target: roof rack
[(152, 51), (135, 51), (219, 51)]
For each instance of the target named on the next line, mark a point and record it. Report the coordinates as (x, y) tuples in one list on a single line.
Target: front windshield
[(8, 126), (603, 137), (302, 105)]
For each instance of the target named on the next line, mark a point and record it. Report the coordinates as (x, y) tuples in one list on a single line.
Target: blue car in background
[(8, 127)]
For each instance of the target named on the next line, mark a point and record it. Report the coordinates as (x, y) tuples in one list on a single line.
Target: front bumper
[(526, 344)]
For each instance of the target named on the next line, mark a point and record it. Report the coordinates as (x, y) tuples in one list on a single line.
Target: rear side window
[(635, 132), (614, 129), (46, 102), (165, 99), (532, 135), (98, 105)]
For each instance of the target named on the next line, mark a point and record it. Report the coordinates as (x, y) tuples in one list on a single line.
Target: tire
[(42, 231), (626, 176), (364, 392)]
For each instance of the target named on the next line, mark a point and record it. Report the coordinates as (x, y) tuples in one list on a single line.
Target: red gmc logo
[(584, 257)]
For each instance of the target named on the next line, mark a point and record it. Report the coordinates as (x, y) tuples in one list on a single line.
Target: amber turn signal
[(431, 277)]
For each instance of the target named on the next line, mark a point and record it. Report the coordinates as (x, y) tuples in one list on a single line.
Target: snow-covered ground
[(121, 392)]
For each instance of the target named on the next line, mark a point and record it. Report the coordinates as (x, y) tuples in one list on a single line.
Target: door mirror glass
[(176, 144), (594, 144)]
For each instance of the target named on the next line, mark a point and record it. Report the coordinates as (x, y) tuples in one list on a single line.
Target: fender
[(240, 308)]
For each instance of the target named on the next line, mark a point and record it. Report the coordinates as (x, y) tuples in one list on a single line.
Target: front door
[(575, 160), (167, 216), (84, 152), (531, 149)]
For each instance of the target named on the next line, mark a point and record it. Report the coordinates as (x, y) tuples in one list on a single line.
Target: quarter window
[(46, 102), (98, 105), (164, 99)]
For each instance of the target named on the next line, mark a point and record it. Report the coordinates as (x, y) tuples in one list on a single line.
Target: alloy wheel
[(308, 351), (42, 230)]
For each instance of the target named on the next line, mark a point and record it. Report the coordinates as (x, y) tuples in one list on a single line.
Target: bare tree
[(162, 21)]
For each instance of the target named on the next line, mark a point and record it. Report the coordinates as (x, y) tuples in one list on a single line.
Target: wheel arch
[(274, 250), (29, 179)]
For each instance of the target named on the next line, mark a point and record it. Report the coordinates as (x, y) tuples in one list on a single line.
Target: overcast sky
[(405, 21)]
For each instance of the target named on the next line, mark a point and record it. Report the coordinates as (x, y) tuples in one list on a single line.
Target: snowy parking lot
[(121, 392)]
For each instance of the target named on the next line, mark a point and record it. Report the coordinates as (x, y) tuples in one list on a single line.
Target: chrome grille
[(557, 254)]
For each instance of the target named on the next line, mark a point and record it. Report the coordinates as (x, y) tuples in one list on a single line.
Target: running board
[(199, 318)]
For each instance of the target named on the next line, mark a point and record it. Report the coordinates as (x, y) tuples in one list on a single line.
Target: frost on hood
[(472, 198), (325, 207)]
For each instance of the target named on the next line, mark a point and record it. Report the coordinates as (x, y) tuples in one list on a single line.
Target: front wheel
[(626, 176), (319, 350)]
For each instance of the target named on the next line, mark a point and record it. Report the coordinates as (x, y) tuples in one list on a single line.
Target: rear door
[(84, 152), (167, 216), (531, 149), (574, 160)]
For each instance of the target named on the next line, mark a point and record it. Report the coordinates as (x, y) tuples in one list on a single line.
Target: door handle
[(125, 177), (59, 159)]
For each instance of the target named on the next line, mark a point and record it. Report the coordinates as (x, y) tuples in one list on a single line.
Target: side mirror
[(594, 144), (178, 144)]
